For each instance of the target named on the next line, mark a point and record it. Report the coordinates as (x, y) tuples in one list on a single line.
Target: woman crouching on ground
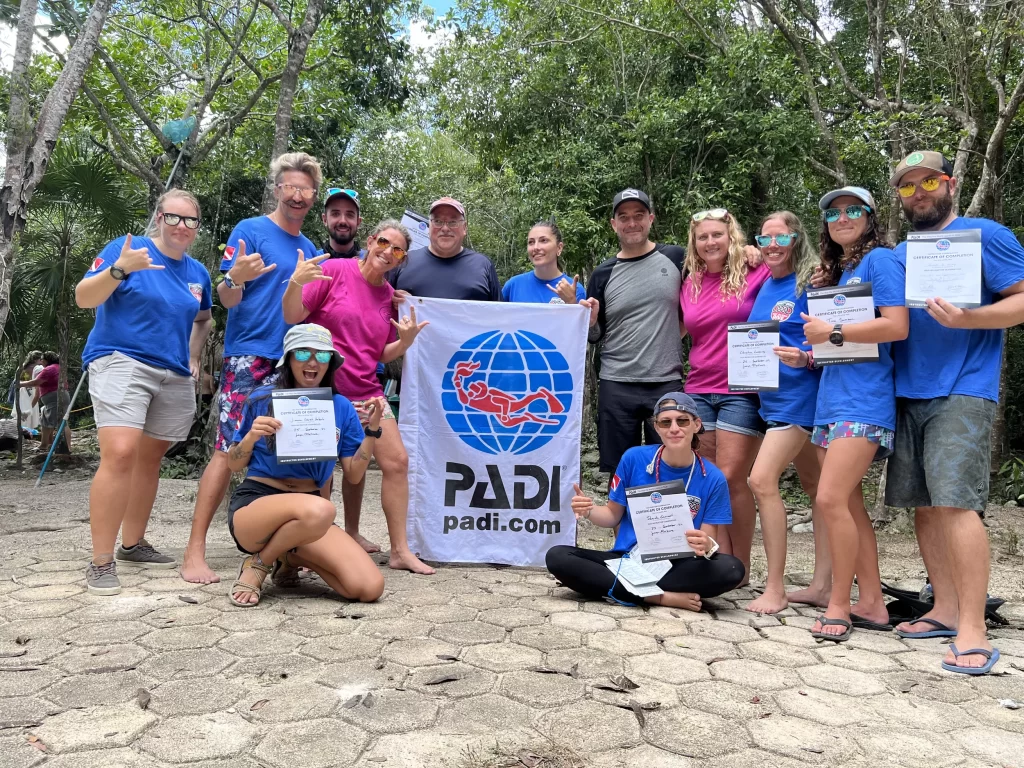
[(708, 573), (282, 513)]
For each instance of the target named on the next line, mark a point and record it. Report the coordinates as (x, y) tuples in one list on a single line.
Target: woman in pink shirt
[(719, 289), (351, 298)]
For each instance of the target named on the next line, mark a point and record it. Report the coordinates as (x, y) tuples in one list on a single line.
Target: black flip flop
[(861, 623), (825, 621)]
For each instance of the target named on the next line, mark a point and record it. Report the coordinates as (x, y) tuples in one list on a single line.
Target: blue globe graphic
[(507, 392)]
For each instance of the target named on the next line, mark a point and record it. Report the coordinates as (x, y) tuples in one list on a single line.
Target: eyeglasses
[(289, 190), (852, 212), (928, 185), (680, 421), (450, 224), (719, 214), (322, 357), (173, 219), (332, 191), (397, 251), (780, 240)]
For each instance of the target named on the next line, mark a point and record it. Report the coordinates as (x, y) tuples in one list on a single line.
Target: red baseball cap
[(450, 201)]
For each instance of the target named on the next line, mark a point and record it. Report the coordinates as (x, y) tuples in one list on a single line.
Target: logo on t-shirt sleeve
[(96, 264), (229, 253), (694, 502), (783, 310), (853, 281), (614, 484), (196, 289)]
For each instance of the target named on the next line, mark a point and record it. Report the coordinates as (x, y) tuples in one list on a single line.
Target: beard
[(342, 237), (932, 216)]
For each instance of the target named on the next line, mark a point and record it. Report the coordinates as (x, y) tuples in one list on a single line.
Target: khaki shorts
[(127, 393)]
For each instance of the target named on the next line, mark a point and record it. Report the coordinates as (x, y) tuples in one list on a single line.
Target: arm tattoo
[(364, 454), (237, 453)]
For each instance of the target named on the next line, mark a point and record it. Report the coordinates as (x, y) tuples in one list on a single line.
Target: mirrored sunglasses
[(396, 250), (322, 357), (780, 240), (332, 191), (928, 185), (852, 212), (719, 214)]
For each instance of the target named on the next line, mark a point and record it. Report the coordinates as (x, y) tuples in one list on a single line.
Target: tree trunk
[(997, 446), (30, 144)]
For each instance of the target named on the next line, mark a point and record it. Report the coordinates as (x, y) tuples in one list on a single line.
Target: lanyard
[(655, 467)]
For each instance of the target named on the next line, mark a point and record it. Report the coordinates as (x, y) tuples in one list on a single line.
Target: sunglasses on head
[(173, 219), (680, 421), (780, 240), (322, 357), (719, 214), (332, 191), (930, 184), (832, 215), (396, 250)]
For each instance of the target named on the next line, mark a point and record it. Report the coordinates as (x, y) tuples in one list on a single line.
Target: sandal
[(253, 562), (826, 621), (285, 575)]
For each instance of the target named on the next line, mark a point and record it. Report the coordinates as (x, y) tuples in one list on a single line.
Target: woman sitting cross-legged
[(282, 513), (706, 574)]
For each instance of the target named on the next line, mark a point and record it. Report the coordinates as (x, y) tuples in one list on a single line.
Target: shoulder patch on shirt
[(196, 289), (337, 434), (783, 310), (694, 502), (615, 483), (96, 264), (229, 253), (853, 281)]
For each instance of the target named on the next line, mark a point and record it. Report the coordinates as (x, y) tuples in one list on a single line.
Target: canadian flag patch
[(229, 253), (96, 264)]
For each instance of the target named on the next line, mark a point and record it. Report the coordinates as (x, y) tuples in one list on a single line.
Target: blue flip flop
[(938, 630), (991, 658)]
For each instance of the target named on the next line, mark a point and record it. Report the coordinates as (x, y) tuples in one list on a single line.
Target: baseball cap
[(631, 194), (309, 336), (859, 192), (677, 401), (933, 161), (450, 201), (333, 192)]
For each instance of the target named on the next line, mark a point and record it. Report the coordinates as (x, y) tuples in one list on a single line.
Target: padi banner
[(492, 396)]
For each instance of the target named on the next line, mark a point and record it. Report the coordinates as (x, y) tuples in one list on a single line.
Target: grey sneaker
[(144, 555), (102, 579)]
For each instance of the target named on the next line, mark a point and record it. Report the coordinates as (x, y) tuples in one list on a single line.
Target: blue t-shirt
[(866, 392), (793, 401), (263, 462), (708, 491), (935, 361), (527, 288), (149, 316), (256, 324), (466, 276)]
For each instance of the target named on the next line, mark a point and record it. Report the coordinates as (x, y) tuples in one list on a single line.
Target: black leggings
[(584, 571)]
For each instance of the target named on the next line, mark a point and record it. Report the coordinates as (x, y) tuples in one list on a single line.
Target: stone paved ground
[(459, 670)]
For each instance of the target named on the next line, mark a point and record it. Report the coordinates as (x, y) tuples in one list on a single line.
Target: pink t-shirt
[(358, 315), (48, 378), (705, 321)]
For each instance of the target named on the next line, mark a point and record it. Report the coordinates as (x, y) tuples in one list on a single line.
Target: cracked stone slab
[(990, 712), (650, 693), (51, 629), (910, 748), (108, 633), (589, 662), (824, 707), (755, 674), (472, 681), (791, 635), (248, 644), (727, 699), (946, 689), (395, 629), (468, 633), (877, 642), (644, 755), (583, 622), (623, 643), (551, 604), (86, 690), (688, 731), (704, 649), (852, 658), (184, 615), (19, 611), (541, 690), (94, 728), (180, 638), (199, 737), (721, 630), (502, 657), (392, 712), (796, 738), (420, 652), (997, 747), (913, 712), (77, 661), (372, 611), (588, 726), (287, 702), (489, 713), (839, 680), (312, 744), (753, 758), (361, 676), (24, 709), (436, 749), (511, 618), (112, 758), (119, 608), (204, 662), (318, 626), (242, 621), (195, 696), (778, 654), (55, 592), (653, 626), (668, 668), (444, 614), (343, 647), (545, 637), (16, 752)]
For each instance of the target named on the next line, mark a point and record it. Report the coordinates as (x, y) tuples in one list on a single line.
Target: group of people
[(42, 399), (299, 316)]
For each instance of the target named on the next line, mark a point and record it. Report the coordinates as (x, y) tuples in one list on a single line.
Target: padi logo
[(783, 310), (96, 263), (507, 392), (752, 334), (196, 290), (853, 281), (556, 300), (656, 498), (303, 401), (942, 245), (839, 300), (229, 253), (422, 226)]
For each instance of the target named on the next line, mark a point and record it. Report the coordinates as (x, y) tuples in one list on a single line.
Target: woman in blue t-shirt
[(705, 574), (787, 411), (547, 283), (152, 303), (282, 513), (855, 413)]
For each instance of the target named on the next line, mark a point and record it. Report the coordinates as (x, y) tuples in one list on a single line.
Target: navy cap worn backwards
[(628, 195), (677, 401)]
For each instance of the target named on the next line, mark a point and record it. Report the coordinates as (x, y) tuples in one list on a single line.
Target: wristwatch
[(231, 283), (836, 337), (117, 273), (373, 432)]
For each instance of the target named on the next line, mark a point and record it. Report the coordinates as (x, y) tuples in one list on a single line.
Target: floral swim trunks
[(364, 417), (885, 438), (238, 377)]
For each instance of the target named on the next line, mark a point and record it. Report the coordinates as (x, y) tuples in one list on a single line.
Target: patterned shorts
[(238, 377), (364, 419), (885, 438)]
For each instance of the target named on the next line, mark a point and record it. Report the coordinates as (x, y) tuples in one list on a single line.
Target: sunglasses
[(397, 251), (289, 190), (173, 219), (852, 212), (928, 185), (719, 214), (780, 240), (322, 357), (680, 421)]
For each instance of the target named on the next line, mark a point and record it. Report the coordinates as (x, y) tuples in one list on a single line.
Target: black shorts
[(624, 411), (246, 494)]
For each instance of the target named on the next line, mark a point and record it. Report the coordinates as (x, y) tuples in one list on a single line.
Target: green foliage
[(1011, 476)]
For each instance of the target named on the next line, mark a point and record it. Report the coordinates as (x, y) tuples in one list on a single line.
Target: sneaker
[(145, 555), (102, 579)]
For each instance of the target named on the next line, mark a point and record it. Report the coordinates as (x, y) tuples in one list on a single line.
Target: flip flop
[(991, 656), (915, 603), (861, 623), (938, 630), (825, 621)]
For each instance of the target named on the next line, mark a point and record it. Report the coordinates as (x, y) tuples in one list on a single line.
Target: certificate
[(944, 265), (661, 517), (843, 305), (417, 226), (753, 364), (308, 431)]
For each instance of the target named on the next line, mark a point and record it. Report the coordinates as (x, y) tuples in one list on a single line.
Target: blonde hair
[(172, 194), (391, 224), (297, 161), (803, 258), (734, 275)]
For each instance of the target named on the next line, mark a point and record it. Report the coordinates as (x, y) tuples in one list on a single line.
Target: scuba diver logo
[(507, 392)]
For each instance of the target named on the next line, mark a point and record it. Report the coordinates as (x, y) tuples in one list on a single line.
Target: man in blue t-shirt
[(947, 382), (260, 255)]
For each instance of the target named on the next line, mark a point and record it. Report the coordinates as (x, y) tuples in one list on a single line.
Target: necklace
[(655, 467)]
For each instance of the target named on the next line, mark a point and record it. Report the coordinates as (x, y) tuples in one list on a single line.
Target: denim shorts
[(823, 435), (244, 495), (730, 413), (942, 453)]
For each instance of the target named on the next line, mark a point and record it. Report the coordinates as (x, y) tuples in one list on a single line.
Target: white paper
[(417, 226), (944, 265), (641, 574), (308, 430), (843, 305), (661, 517), (753, 365)]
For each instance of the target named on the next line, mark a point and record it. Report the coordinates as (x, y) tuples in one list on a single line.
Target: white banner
[(492, 397)]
